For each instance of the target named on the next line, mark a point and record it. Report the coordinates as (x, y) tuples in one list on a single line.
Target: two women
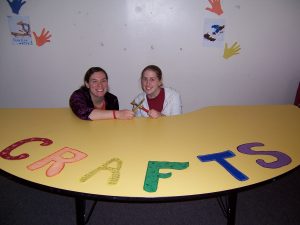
[(93, 101)]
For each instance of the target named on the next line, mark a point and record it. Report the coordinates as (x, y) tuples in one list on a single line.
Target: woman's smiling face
[(151, 83), (98, 84)]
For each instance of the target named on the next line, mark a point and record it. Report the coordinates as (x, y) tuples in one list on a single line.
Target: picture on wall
[(20, 30), (213, 35)]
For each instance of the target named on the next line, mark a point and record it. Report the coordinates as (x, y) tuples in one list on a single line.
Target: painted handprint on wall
[(16, 5), (42, 38), (233, 50), (217, 29), (215, 7)]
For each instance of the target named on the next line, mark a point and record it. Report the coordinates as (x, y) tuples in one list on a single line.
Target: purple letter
[(282, 159)]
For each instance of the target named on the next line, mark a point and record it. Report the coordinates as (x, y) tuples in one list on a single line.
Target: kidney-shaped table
[(212, 152)]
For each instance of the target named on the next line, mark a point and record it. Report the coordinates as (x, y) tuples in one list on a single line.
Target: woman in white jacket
[(156, 100)]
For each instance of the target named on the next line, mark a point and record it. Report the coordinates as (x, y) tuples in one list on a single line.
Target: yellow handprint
[(233, 50)]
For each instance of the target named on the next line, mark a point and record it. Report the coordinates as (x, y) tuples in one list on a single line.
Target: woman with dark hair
[(92, 101), (157, 100)]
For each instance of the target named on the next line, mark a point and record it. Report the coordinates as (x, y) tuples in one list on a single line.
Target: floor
[(275, 203)]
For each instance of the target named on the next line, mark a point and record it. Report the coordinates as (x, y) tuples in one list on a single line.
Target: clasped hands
[(152, 113)]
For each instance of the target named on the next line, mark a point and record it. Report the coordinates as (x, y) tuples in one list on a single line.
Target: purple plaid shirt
[(82, 105)]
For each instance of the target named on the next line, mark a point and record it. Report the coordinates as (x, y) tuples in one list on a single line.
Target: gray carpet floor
[(276, 203)]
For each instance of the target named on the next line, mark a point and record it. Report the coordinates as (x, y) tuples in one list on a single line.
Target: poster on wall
[(20, 30), (213, 35)]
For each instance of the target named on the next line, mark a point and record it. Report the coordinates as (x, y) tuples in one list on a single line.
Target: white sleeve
[(173, 105)]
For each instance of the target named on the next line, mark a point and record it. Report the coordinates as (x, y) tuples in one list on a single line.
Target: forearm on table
[(98, 114)]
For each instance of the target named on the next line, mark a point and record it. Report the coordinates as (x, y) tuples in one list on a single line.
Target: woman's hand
[(154, 114), (124, 114)]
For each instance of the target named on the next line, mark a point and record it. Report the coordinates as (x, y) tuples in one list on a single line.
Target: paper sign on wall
[(213, 35), (20, 30)]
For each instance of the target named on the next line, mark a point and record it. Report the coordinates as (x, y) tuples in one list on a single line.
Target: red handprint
[(215, 7), (43, 38)]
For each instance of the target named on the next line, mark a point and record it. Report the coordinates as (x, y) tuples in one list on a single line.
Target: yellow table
[(212, 150)]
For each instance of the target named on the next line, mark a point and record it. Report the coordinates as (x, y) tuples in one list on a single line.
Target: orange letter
[(58, 161)]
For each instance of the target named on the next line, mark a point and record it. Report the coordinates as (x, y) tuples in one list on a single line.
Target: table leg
[(231, 211), (80, 211)]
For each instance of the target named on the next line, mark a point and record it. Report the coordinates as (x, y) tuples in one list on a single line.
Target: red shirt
[(157, 103)]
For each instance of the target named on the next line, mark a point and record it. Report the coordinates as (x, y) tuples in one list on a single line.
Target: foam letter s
[(282, 159)]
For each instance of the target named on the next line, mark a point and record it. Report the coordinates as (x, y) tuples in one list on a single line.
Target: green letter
[(153, 174)]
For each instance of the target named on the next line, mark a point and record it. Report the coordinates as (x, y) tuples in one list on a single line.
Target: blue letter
[(220, 158)]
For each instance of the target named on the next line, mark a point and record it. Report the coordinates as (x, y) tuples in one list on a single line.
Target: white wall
[(124, 36)]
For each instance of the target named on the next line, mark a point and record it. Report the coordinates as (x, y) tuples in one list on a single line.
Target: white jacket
[(172, 103)]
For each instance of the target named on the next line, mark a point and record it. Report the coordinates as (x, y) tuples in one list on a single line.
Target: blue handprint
[(217, 28), (16, 5)]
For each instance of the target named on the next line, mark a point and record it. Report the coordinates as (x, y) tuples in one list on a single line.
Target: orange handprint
[(43, 38), (215, 7)]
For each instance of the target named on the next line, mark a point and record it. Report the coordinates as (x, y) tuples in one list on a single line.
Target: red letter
[(5, 153)]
